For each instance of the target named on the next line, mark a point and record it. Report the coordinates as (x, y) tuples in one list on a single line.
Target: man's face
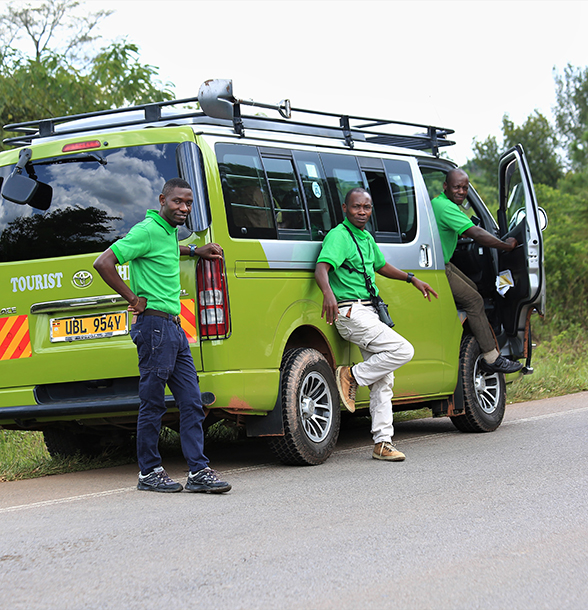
[(176, 206), (456, 187), (358, 210)]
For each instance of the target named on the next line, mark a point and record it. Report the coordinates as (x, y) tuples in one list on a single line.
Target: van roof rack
[(218, 106)]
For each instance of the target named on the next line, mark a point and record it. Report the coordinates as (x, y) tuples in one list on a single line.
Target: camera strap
[(368, 282)]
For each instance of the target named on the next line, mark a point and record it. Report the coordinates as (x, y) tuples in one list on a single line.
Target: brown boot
[(387, 451), (347, 386)]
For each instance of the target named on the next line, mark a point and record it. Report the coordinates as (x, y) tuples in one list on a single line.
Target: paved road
[(469, 521)]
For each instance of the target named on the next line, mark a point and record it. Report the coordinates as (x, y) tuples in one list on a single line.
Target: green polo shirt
[(339, 249), (452, 221), (151, 248)]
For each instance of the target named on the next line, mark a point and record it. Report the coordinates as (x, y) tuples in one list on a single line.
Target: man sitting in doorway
[(452, 222)]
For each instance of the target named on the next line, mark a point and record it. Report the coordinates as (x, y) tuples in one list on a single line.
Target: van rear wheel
[(310, 409), (484, 393)]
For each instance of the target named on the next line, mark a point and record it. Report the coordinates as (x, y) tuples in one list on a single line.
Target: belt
[(348, 303), (163, 314)]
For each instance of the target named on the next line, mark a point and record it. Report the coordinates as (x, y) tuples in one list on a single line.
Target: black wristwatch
[(409, 277), (192, 250)]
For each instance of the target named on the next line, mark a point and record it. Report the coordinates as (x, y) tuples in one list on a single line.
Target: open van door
[(520, 217)]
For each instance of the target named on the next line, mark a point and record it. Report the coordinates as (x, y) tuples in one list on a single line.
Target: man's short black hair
[(170, 185), (357, 189), (453, 172)]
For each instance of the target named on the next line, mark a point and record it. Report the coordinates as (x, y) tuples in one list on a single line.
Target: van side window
[(247, 200), (342, 175), (286, 196), (383, 215), (402, 185), (314, 186)]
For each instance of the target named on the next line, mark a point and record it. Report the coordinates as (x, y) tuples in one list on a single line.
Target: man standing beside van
[(349, 250), (152, 250), (452, 222)]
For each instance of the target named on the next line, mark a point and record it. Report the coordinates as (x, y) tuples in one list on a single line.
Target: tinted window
[(314, 187), (383, 216), (247, 199), (343, 174), (96, 198), (286, 195), (402, 185), (274, 193)]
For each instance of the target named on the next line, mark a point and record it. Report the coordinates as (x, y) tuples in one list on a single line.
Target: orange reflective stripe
[(188, 317), (15, 340)]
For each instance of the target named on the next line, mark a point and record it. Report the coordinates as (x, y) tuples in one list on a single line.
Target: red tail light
[(214, 314)]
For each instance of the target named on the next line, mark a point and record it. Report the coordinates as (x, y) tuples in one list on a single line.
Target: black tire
[(67, 443), (310, 409), (484, 393)]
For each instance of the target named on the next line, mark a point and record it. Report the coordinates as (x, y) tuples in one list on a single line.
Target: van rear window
[(96, 198)]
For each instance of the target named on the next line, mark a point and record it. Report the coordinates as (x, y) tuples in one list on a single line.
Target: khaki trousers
[(383, 351), (467, 297)]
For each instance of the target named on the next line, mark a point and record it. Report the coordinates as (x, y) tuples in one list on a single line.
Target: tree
[(571, 114), (540, 142), (72, 77), (40, 23)]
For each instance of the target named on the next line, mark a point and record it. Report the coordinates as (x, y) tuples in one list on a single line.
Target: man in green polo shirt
[(346, 303), (152, 250), (452, 222)]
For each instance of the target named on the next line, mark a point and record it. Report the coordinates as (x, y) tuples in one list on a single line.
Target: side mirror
[(18, 188), (543, 220), (23, 189)]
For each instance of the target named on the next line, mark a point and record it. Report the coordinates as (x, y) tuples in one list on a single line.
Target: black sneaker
[(158, 480), (501, 365), (206, 481)]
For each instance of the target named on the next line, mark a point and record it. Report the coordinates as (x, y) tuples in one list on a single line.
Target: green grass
[(561, 367), (23, 455), (560, 363)]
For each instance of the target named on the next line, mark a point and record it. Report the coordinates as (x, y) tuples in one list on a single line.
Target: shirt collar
[(160, 220), (357, 232)]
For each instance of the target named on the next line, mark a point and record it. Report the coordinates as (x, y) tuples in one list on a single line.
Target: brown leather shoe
[(387, 451), (347, 387)]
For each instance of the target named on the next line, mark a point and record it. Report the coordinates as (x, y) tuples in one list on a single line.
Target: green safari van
[(268, 189)]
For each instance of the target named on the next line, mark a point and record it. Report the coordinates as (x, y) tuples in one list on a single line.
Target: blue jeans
[(165, 358)]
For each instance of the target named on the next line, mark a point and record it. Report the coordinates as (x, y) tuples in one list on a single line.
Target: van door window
[(247, 201), (383, 215), (286, 195), (315, 191), (342, 175), (402, 185)]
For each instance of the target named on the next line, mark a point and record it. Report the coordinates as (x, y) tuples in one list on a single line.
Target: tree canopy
[(51, 65)]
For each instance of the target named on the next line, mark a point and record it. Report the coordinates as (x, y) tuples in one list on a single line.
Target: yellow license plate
[(89, 327)]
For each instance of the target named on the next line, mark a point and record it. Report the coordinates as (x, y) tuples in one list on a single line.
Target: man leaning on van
[(152, 250), (345, 273)]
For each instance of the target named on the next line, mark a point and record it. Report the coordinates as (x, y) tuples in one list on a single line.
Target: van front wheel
[(484, 393), (310, 409)]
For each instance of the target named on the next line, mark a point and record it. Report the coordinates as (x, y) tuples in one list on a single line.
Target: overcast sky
[(460, 65)]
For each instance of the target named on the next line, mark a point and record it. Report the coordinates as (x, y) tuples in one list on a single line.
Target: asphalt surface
[(467, 521)]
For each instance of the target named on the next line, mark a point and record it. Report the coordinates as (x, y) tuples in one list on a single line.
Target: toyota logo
[(82, 279)]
